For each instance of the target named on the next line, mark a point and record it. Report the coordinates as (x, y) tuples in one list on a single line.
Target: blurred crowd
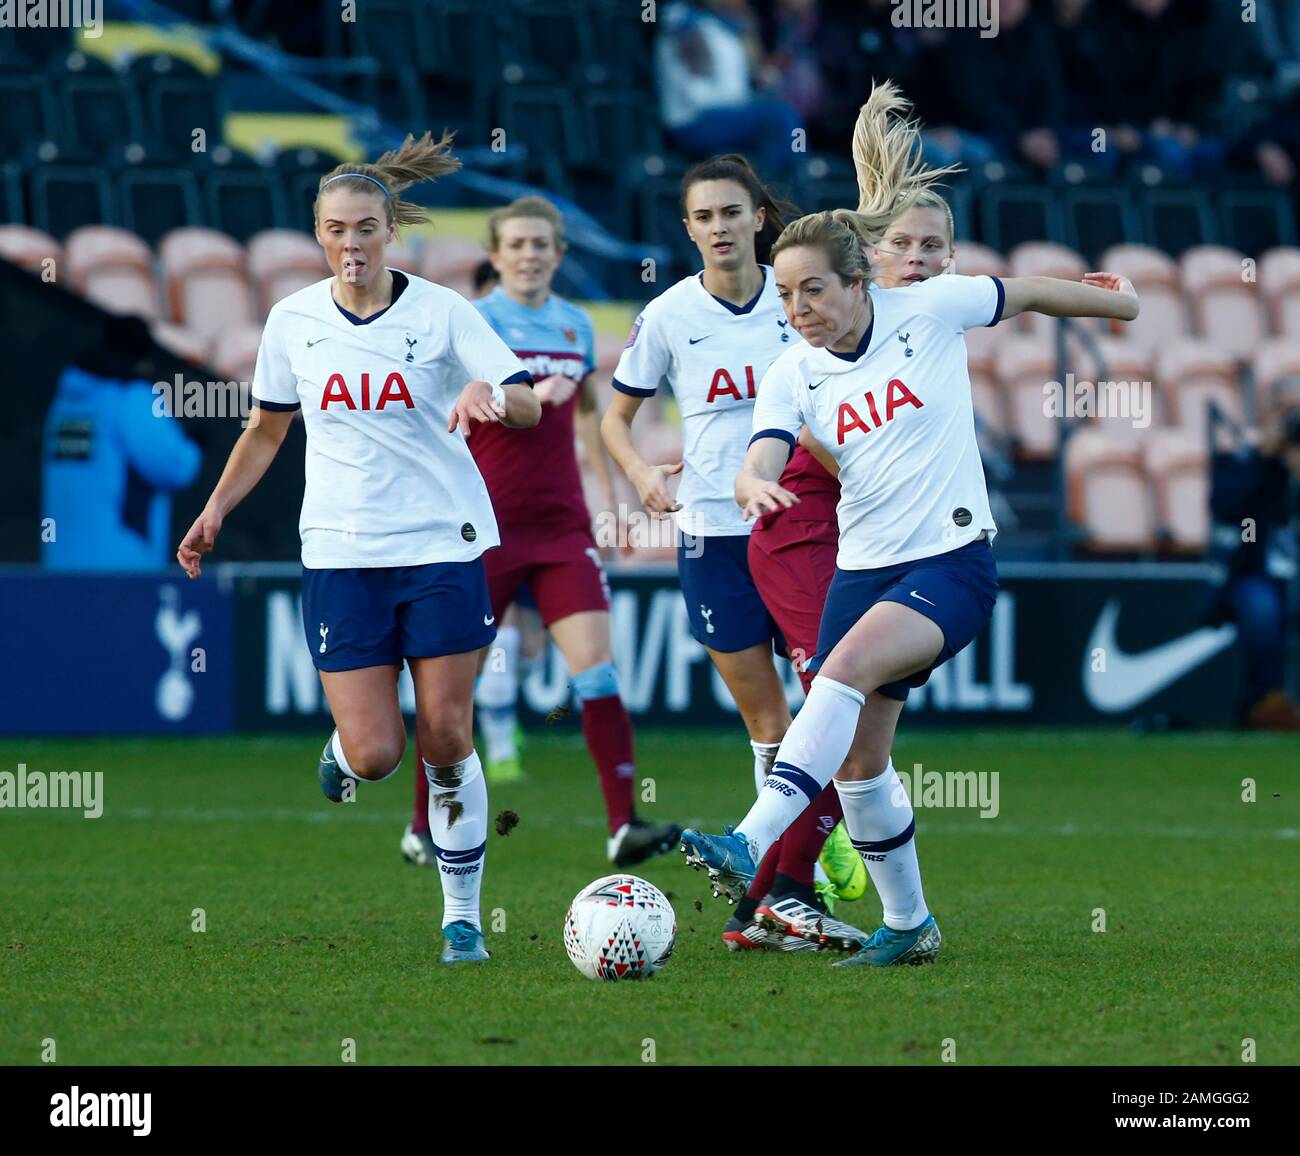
[(1192, 87)]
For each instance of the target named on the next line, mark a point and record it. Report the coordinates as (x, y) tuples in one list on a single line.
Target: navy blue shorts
[(379, 615), (722, 602), (956, 591)]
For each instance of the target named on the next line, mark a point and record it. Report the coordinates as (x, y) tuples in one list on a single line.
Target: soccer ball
[(620, 927)]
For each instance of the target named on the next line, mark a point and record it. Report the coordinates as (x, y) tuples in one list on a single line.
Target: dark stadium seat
[(619, 125), (1176, 219), (176, 106), (470, 42), (23, 48), (100, 112), (29, 112), (557, 38), (660, 210), (547, 122), (12, 201), (1254, 220), (396, 33), (1013, 214), (1098, 217), (63, 197), (242, 203), (155, 201), (624, 43)]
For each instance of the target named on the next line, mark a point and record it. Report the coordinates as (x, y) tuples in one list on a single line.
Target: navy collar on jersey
[(399, 287), (738, 310), (863, 345)]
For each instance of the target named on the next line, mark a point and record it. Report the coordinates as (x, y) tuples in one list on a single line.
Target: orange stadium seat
[(1043, 259), (1191, 372), (1178, 464), (1024, 366), (233, 353), (207, 288), (982, 347), (1279, 282), (282, 261), (987, 400), (971, 259), (1226, 308), (1156, 278), (1107, 493), (28, 248), (113, 268), (405, 256), (187, 345), (1129, 410)]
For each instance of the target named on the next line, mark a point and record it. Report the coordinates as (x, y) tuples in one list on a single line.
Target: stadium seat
[(1127, 403), (233, 352), (63, 197), (396, 33), (177, 106), (469, 39), (1191, 372), (986, 398), (243, 203), (981, 347), (1013, 214), (1095, 216), (1226, 308), (558, 37), (155, 201), (207, 290), (618, 126), (185, 344), (1108, 496), (402, 255), (1177, 463), (1276, 368), (609, 348), (1156, 278), (1042, 259), (971, 259), (546, 119), (100, 112), (1024, 366), (12, 200), (29, 112), (1254, 220), (113, 268), (1279, 282), (28, 248), (282, 261), (1177, 219)]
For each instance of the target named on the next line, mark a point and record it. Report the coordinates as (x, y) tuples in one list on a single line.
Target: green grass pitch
[(317, 932)]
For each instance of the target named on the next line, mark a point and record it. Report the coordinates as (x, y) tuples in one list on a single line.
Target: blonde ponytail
[(413, 161)]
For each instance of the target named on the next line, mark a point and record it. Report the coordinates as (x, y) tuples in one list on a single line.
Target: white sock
[(336, 745), (764, 757), (878, 816), (495, 696), (458, 814), (811, 752)]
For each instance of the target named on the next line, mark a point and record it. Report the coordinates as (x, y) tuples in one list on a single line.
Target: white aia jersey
[(713, 356), (897, 417), (387, 485)]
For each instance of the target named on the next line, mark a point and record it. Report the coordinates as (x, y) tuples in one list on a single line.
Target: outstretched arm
[(1097, 295), (757, 491)]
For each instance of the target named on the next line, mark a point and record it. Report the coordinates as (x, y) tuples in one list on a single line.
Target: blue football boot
[(885, 946), (727, 858), (464, 943), (331, 776)]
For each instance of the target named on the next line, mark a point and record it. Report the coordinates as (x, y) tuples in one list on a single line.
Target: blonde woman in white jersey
[(882, 384), (391, 373)]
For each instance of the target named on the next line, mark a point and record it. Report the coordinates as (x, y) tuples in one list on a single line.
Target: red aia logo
[(718, 389), (337, 392), (848, 418)]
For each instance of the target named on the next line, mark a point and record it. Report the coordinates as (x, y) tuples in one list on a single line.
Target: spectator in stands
[(1009, 87), (1254, 504), (109, 460), (706, 58)]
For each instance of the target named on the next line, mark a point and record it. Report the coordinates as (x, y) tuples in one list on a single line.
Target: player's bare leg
[(458, 803), (369, 735), (584, 640)]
